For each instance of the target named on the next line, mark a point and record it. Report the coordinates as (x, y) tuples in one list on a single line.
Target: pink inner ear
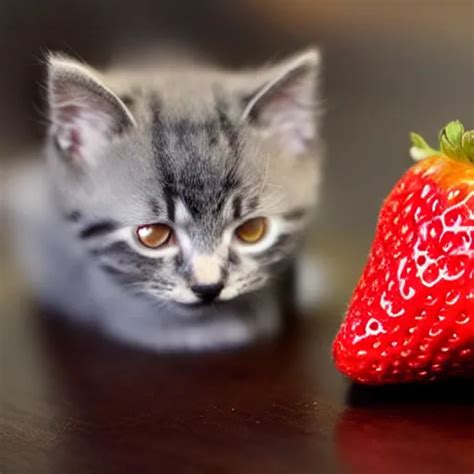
[(68, 133), (278, 103), (68, 139), (74, 141), (84, 115)]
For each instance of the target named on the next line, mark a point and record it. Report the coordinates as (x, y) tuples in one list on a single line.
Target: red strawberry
[(411, 317)]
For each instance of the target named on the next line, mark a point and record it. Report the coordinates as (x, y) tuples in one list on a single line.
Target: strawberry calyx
[(455, 143)]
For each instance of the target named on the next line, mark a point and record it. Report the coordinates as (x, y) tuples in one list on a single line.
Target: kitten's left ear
[(284, 106), (85, 114)]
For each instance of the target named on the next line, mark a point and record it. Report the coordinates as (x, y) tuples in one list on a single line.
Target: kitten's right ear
[(85, 114), (284, 105)]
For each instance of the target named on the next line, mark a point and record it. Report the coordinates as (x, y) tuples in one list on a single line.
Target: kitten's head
[(187, 185)]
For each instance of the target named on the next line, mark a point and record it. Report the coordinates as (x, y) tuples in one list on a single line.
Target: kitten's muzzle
[(207, 293)]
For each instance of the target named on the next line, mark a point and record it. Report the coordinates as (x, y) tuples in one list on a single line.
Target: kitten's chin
[(197, 309)]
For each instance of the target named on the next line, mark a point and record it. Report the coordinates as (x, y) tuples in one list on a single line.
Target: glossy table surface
[(73, 402)]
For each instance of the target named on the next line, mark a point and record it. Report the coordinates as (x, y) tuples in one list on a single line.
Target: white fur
[(206, 269)]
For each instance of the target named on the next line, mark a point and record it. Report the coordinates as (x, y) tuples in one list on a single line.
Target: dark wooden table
[(73, 402)]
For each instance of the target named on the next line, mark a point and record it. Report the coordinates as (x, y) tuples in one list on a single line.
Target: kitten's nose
[(207, 293)]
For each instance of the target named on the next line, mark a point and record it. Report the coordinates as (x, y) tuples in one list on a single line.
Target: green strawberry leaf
[(467, 144), (450, 139), (455, 142), (420, 149)]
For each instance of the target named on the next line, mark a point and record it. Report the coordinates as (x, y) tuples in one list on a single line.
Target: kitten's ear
[(85, 115), (284, 106)]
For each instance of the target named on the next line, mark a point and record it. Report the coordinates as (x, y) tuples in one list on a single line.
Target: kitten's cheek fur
[(183, 296), (228, 293)]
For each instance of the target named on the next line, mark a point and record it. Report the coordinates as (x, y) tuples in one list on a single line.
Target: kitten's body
[(198, 149)]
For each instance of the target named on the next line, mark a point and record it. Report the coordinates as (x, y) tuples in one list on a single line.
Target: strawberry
[(411, 316)]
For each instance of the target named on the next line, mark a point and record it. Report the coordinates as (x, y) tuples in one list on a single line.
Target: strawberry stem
[(455, 142)]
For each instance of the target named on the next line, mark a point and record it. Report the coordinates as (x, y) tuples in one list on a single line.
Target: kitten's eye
[(154, 235), (252, 231)]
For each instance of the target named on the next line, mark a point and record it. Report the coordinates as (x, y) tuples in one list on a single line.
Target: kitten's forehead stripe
[(163, 165), (188, 171), (155, 206), (170, 206), (228, 129), (237, 207)]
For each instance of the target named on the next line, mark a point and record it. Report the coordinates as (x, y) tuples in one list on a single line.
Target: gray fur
[(200, 149)]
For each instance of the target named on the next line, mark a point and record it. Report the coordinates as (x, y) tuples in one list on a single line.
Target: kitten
[(172, 199)]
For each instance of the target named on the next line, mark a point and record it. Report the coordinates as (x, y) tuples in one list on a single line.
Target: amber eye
[(252, 231), (154, 235)]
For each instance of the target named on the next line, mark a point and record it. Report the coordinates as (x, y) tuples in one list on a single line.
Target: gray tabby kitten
[(172, 198)]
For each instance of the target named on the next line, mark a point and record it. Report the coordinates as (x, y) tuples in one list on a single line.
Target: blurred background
[(389, 67)]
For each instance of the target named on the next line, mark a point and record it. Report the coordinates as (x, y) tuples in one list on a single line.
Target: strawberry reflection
[(409, 429)]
